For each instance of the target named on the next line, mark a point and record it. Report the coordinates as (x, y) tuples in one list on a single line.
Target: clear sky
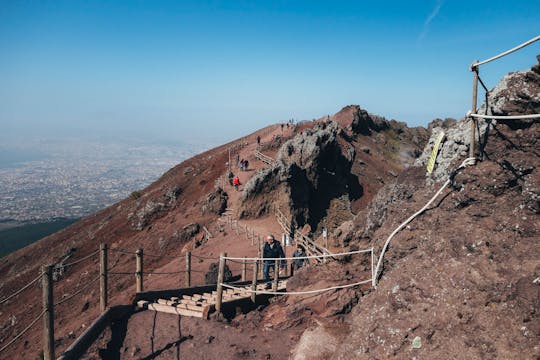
[(215, 70)]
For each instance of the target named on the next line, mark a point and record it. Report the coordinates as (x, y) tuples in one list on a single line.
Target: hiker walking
[(325, 237), (300, 252), (272, 249), (242, 165), (246, 164), (258, 141), (236, 182)]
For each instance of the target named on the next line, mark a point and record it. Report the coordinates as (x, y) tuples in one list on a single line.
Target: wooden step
[(171, 309)]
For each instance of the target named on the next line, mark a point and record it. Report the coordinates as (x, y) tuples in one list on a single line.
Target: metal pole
[(103, 278), (475, 71), (276, 274), (48, 317), (139, 271), (244, 269), (254, 282), (219, 297), (188, 269)]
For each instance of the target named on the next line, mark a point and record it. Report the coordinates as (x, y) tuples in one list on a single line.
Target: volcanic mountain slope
[(169, 217), (462, 280)]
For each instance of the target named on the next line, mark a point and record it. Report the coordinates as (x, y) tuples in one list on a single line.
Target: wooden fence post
[(103, 278), (244, 269), (372, 268), (188, 269), (472, 140), (229, 163), (48, 317), (259, 255), (219, 297), (254, 282), (276, 274), (139, 271)]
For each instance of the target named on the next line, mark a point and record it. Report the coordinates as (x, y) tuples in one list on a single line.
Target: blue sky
[(216, 70)]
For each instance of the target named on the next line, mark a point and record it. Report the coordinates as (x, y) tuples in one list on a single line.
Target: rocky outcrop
[(153, 209), (359, 121), (215, 202), (311, 171), (517, 93)]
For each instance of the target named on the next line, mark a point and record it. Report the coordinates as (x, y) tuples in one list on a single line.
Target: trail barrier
[(264, 158), (472, 114)]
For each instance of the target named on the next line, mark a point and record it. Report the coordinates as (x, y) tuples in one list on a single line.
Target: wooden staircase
[(312, 249), (197, 302)]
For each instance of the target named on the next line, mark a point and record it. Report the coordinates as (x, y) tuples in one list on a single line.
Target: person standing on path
[(325, 237), (272, 250), (298, 253), (258, 141)]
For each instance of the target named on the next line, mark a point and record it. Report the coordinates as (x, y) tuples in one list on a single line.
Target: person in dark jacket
[(299, 253), (272, 249)]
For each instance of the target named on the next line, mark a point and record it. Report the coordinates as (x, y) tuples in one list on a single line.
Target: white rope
[(506, 117), (78, 261), (506, 52), (23, 331), (20, 290), (300, 257), (296, 292), (466, 162)]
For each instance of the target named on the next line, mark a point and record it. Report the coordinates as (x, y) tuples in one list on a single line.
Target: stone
[(417, 343)]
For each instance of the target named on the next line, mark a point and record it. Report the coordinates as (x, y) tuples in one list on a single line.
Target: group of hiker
[(273, 250)]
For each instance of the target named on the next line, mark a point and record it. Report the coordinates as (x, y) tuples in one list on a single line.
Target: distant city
[(42, 180)]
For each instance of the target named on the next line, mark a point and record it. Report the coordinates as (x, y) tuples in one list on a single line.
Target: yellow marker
[(434, 152)]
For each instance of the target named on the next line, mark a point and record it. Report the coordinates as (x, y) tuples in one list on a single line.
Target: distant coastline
[(15, 235)]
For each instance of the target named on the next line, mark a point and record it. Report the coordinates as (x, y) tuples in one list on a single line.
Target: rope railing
[(79, 261), (505, 117), (472, 115), (520, 46), (21, 289), (204, 257), (301, 257), (128, 252), (466, 162), (60, 302), (307, 292), (19, 335)]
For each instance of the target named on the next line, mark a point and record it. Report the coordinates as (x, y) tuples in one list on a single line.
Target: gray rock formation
[(311, 170), (517, 93)]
